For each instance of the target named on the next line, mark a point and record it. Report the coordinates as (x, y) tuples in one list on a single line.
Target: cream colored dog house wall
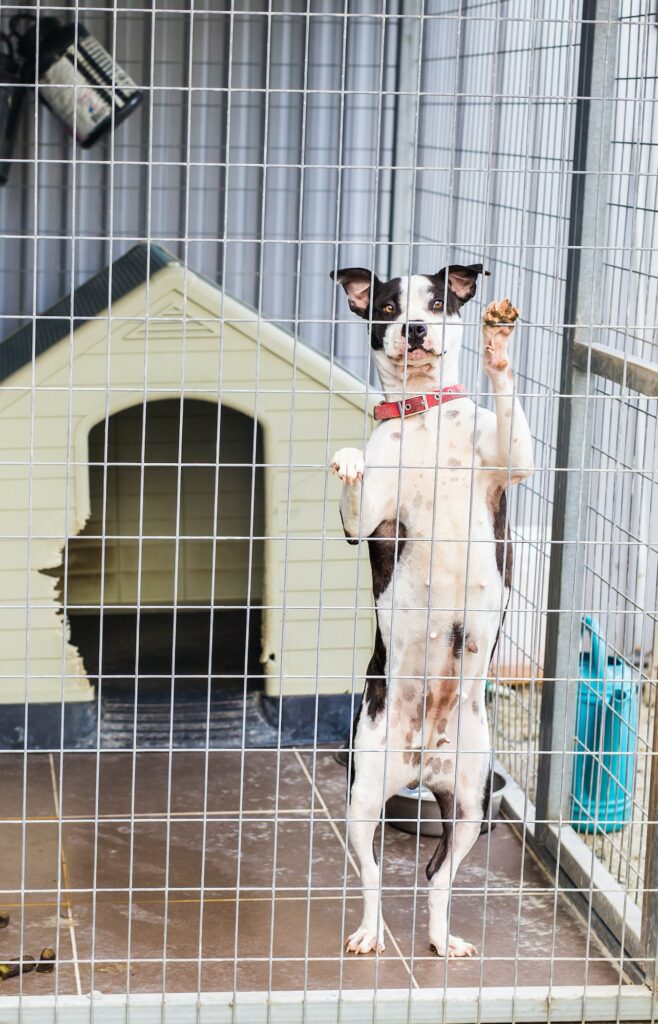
[(169, 329)]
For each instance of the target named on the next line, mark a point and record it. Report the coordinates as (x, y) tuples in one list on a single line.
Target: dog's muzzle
[(415, 333)]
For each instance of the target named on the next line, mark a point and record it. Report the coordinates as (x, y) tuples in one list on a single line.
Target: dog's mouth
[(415, 355)]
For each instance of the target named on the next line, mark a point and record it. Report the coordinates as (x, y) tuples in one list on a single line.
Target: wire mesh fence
[(185, 631)]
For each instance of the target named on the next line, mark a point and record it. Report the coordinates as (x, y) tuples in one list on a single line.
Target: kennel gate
[(398, 135)]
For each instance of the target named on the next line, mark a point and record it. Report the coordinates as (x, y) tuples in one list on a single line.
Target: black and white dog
[(429, 495)]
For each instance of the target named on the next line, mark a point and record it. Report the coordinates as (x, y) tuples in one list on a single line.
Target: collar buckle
[(413, 406)]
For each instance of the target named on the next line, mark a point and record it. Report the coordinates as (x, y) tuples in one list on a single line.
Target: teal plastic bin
[(606, 734)]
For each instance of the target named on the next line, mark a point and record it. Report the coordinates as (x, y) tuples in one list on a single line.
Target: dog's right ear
[(462, 281), (357, 282)]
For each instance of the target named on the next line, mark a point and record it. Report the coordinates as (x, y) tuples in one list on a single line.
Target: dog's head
[(415, 320)]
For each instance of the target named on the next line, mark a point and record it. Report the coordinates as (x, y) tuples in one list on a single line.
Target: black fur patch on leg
[(438, 856), (502, 535), (486, 797), (386, 546), (447, 806), (456, 639), (502, 620), (374, 696), (350, 756)]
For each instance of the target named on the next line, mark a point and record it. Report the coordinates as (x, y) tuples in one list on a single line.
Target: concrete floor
[(97, 869)]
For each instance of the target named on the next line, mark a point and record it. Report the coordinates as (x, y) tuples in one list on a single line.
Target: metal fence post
[(595, 96), (650, 894), (407, 117)]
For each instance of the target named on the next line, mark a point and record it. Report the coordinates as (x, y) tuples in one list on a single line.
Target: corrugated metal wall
[(258, 149)]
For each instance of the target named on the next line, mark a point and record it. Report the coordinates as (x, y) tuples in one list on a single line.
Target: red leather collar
[(419, 403)]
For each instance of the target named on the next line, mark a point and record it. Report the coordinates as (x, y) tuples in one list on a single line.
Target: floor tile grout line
[(65, 880), (335, 829), (154, 817), (207, 899)]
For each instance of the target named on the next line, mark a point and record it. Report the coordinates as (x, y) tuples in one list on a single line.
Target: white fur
[(437, 472)]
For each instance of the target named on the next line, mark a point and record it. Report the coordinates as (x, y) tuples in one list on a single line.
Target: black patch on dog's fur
[(457, 639), (350, 761), (487, 795), (447, 806), (387, 292), (383, 293), (452, 304), (503, 538), (502, 620), (374, 696), (493, 649), (385, 546), (442, 292), (438, 856)]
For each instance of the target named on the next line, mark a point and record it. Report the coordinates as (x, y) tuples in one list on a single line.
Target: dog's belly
[(439, 618), (447, 595), (446, 734)]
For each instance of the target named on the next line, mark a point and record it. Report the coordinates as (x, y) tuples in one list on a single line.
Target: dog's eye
[(389, 309), (438, 306)]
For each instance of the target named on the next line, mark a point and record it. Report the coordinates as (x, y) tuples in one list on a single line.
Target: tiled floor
[(115, 882)]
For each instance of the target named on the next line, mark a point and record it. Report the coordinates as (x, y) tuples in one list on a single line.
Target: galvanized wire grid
[(274, 144)]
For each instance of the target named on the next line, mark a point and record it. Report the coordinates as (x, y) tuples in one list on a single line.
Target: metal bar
[(558, 712), (628, 371), (496, 1005), (408, 60)]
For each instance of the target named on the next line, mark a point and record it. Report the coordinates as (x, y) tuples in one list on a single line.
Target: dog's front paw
[(454, 947), (498, 323), (348, 465), (363, 940), (500, 314)]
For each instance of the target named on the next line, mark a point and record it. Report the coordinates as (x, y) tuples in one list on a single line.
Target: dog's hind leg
[(377, 776), (462, 810)]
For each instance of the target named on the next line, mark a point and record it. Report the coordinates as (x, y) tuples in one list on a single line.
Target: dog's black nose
[(416, 333)]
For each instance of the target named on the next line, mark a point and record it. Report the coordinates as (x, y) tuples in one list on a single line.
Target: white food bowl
[(402, 809)]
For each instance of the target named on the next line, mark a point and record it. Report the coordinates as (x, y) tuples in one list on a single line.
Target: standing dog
[(429, 495)]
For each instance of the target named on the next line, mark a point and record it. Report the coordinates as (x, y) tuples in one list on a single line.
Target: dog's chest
[(440, 461)]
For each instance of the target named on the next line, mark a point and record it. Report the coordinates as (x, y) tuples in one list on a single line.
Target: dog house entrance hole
[(143, 565)]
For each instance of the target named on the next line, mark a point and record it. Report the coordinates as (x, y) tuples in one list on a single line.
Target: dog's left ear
[(462, 281)]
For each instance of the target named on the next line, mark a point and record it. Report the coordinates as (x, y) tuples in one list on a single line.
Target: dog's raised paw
[(500, 313), (455, 948), (498, 324), (348, 465), (364, 941)]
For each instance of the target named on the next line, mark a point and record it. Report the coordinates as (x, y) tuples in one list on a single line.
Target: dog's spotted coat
[(429, 495)]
